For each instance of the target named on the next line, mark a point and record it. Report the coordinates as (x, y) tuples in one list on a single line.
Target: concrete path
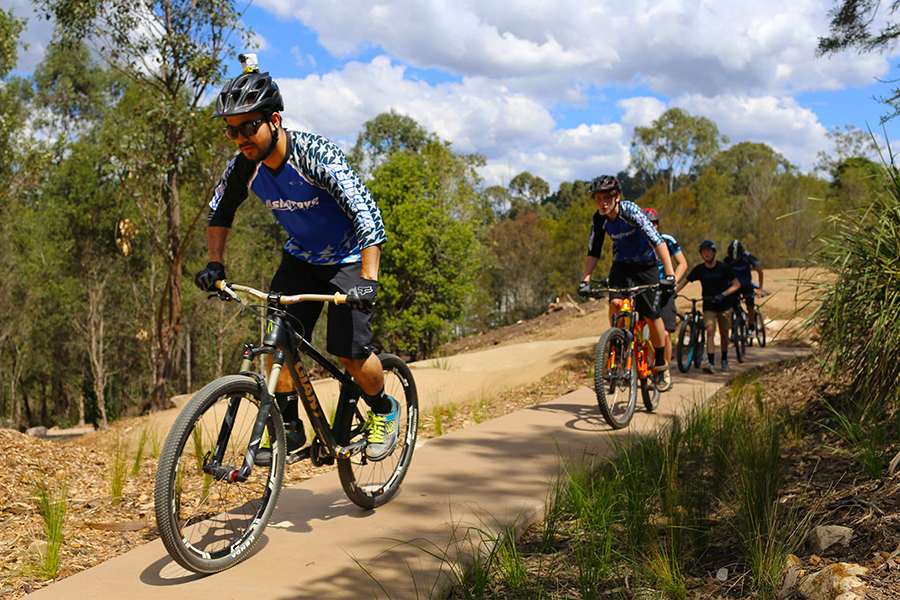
[(319, 545)]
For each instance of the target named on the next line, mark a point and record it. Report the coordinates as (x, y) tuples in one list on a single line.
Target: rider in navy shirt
[(335, 230), (636, 245), (743, 263)]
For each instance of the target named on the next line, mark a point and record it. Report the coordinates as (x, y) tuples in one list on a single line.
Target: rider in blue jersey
[(335, 229), (742, 263), (667, 311), (636, 246)]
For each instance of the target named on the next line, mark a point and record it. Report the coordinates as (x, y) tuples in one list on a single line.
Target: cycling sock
[(379, 403), (660, 355), (289, 403), (724, 354), (710, 356)]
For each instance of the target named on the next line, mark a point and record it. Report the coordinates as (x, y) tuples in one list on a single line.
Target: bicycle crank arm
[(350, 449)]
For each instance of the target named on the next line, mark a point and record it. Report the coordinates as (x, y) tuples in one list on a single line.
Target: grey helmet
[(249, 92)]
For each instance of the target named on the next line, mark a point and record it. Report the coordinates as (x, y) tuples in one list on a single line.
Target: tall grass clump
[(118, 469), (863, 429), (139, 450), (51, 504), (858, 318)]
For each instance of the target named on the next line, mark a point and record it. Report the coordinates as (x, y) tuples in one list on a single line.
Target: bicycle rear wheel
[(760, 329), (615, 378), (368, 483), (737, 338), (206, 524), (686, 344)]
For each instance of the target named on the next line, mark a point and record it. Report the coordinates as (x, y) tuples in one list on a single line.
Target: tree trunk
[(169, 314)]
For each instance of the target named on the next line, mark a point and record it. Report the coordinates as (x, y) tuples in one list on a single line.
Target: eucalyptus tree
[(676, 145), (173, 51)]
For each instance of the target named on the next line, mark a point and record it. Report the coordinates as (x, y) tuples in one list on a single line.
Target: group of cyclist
[(641, 256), (336, 231)]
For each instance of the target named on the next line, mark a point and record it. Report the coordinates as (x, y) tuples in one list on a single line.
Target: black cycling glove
[(719, 299), (362, 297), (584, 289), (667, 283), (208, 276)]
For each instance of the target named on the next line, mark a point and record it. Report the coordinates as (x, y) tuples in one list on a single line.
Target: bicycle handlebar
[(629, 290), (230, 289)]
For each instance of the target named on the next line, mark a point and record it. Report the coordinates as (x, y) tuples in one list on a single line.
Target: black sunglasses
[(247, 129)]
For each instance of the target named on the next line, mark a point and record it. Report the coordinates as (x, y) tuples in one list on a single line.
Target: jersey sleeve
[(672, 243), (328, 168), (633, 214), (233, 188), (694, 275), (754, 262), (595, 244)]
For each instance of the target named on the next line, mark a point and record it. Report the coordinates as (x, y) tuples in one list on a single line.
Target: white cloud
[(36, 34), (780, 122), (514, 132), (554, 49), (641, 111)]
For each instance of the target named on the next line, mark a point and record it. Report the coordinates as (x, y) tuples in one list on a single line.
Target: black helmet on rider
[(735, 250), (249, 92), (707, 245), (605, 183), (652, 215)]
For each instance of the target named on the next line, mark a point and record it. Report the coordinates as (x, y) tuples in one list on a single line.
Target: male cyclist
[(717, 282), (335, 230), (742, 263), (636, 248), (667, 311)]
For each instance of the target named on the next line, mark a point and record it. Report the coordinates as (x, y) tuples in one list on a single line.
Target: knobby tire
[(615, 382), (368, 483), (208, 525)]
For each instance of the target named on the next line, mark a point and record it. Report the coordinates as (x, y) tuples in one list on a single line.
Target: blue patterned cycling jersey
[(315, 195), (742, 268), (633, 235), (674, 249)]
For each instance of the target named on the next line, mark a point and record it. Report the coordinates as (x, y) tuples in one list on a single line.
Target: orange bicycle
[(622, 360)]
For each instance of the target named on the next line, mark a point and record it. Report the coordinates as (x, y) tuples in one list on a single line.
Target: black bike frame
[(285, 346)]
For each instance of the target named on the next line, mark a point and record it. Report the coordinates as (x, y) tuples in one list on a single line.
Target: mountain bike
[(759, 329), (212, 500), (622, 360), (740, 333), (691, 338)]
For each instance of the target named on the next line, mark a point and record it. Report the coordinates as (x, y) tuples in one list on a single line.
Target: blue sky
[(556, 88)]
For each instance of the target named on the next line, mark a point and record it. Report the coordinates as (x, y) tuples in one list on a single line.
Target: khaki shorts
[(710, 317)]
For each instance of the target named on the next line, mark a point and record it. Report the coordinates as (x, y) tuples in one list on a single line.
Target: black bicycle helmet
[(606, 183), (707, 245), (735, 250), (249, 92), (652, 215)]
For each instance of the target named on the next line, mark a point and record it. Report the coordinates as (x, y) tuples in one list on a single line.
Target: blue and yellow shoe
[(294, 435), (382, 432)]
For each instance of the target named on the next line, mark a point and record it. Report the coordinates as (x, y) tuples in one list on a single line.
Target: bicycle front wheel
[(684, 352), (615, 378), (737, 338), (368, 483), (206, 524), (760, 329)]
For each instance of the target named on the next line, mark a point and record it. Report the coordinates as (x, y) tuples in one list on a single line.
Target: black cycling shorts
[(630, 274), (748, 293), (349, 332), (667, 311)]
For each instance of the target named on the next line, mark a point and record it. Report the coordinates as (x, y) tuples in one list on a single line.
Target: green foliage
[(432, 257), (384, 135), (10, 28), (676, 146), (858, 317)]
